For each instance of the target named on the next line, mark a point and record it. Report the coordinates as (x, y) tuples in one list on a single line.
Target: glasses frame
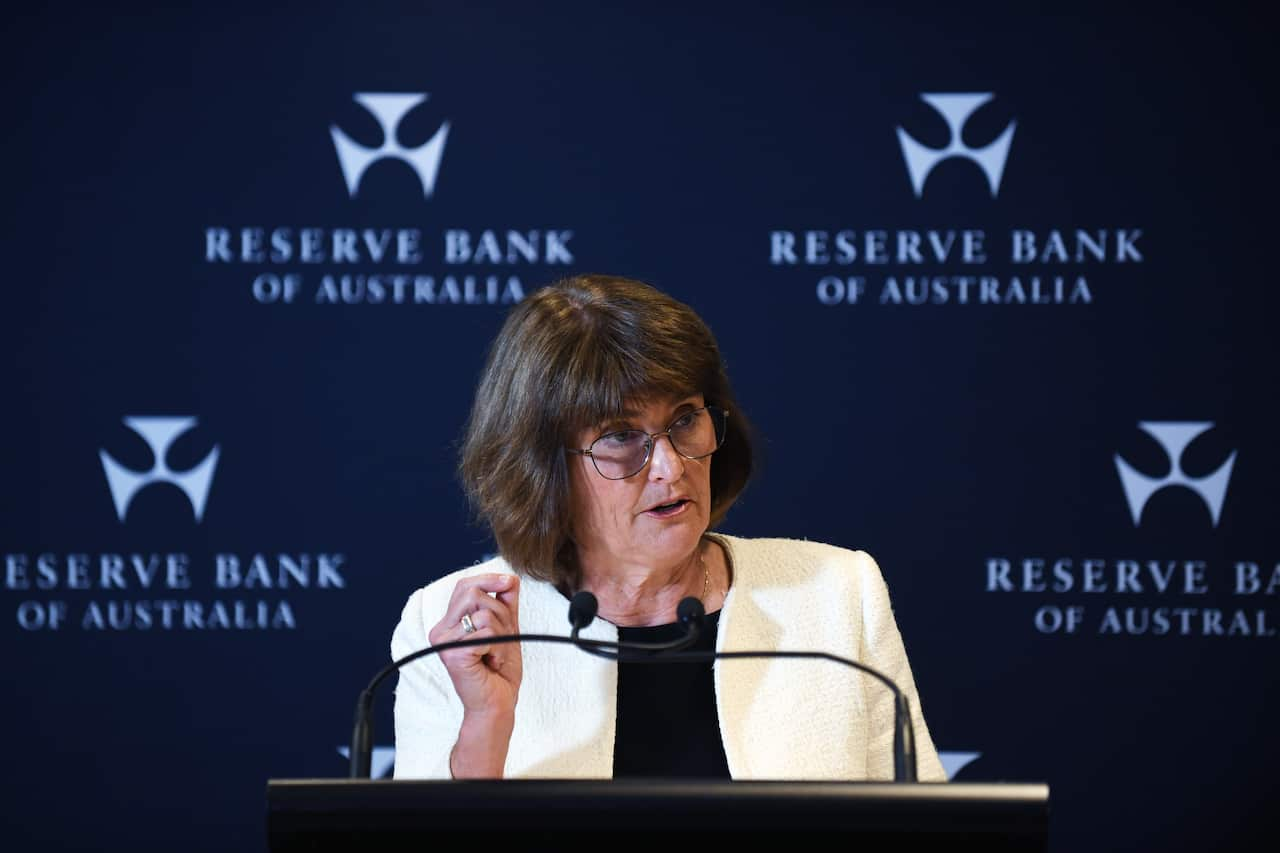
[(651, 439)]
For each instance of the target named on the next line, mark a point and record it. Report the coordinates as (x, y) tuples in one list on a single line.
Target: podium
[(364, 815)]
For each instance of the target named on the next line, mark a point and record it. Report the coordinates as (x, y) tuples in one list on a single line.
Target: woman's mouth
[(668, 510)]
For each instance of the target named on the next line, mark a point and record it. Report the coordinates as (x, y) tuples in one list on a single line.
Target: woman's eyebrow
[(621, 420), (628, 416)]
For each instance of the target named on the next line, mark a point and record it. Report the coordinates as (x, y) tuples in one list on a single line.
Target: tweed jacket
[(779, 718)]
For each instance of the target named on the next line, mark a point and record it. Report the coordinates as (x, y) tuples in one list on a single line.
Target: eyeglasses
[(623, 454)]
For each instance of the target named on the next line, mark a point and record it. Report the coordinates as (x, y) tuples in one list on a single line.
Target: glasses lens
[(694, 435), (619, 454), (699, 433)]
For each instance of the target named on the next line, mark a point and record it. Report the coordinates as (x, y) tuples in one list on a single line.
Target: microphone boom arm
[(904, 750)]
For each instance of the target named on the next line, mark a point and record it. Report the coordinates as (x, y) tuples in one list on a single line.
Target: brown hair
[(571, 356)]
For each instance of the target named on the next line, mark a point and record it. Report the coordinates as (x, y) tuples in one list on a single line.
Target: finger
[(497, 615), (472, 657), (497, 657), (505, 616), (504, 659), (465, 591), (501, 657), (476, 599), (487, 623), (504, 663), (449, 629), (480, 619), (510, 595), (468, 596), (511, 598)]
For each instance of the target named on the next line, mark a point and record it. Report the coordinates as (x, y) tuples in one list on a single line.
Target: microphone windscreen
[(690, 610), (582, 609)]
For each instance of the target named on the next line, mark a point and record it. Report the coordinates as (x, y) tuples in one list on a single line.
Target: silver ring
[(468, 626)]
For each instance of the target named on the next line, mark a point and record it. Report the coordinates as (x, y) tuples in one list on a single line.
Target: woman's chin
[(674, 541)]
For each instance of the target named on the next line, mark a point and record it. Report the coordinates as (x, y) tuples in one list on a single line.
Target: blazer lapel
[(787, 718), (566, 716)]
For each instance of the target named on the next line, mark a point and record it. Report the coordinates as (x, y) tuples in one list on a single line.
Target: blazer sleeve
[(428, 713), (883, 649)]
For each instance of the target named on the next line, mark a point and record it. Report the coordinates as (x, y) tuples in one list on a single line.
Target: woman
[(603, 446)]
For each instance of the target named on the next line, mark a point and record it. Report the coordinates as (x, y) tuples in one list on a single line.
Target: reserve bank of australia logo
[(955, 110), (1174, 436), (389, 110), (159, 434)]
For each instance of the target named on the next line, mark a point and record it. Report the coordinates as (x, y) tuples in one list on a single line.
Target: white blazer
[(779, 718)]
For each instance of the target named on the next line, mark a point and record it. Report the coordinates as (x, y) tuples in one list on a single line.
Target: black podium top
[(344, 814)]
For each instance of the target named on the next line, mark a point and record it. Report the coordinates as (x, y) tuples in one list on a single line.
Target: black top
[(667, 721)]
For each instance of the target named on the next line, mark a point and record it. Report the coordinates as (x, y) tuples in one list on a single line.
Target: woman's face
[(619, 520)]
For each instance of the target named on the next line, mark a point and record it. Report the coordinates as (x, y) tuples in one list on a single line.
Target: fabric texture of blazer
[(779, 718)]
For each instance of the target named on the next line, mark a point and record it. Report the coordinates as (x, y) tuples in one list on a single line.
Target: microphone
[(582, 611), (690, 613)]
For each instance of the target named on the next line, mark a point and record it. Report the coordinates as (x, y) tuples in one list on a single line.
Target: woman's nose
[(666, 464)]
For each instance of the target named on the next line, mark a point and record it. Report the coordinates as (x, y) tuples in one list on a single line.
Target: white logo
[(955, 110), (159, 434), (389, 109), (954, 762), (1174, 436)]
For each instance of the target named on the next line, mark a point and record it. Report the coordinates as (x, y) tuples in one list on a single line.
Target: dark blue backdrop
[(949, 438)]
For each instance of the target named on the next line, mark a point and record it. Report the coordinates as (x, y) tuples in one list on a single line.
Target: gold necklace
[(706, 574)]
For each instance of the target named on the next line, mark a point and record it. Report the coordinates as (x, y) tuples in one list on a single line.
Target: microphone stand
[(582, 611)]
